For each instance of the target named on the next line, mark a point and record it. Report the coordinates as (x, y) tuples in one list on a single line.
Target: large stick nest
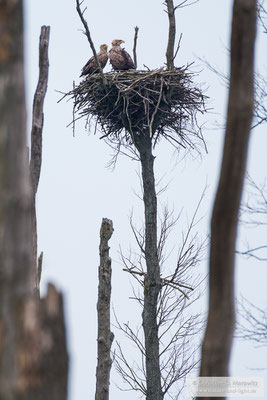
[(162, 103)]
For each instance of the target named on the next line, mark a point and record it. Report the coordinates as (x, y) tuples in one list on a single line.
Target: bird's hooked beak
[(106, 46), (122, 41)]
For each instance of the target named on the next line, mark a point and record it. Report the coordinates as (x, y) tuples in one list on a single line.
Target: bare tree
[(177, 325), (138, 108), (217, 342), (105, 336)]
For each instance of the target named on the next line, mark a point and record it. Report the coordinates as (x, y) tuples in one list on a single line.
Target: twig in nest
[(156, 109)]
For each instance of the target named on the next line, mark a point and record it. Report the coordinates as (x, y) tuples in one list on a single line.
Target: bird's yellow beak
[(122, 41), (106, 45)]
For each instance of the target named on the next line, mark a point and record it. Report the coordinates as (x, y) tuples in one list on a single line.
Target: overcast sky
[(77, 190)]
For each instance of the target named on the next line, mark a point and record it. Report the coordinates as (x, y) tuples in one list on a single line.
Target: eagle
[(119, 58), (91, 66)]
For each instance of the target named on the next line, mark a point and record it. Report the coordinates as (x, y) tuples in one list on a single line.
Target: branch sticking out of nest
[(159, 103)]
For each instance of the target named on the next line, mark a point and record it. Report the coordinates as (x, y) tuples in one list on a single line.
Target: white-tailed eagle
[(119, 58), (91, 66)]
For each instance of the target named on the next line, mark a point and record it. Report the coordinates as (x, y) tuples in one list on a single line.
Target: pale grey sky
[(76, 189)]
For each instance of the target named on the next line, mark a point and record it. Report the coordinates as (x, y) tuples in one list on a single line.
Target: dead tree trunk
[(36, 133), (105, 336), (17, 307), (152, 283), (217, 343), (27, 329), (54, 360)]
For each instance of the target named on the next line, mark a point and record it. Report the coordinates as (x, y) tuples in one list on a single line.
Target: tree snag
[(105, 336), (217, 342), (36, 133)]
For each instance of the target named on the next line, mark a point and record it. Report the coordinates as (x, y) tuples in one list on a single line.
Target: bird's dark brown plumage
[(91, 66), (119, 58)]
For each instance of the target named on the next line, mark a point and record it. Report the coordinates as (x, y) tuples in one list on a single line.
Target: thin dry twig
[(252, 325)]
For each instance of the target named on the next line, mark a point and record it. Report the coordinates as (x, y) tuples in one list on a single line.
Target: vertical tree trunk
[(36, 133), (172, 34), (33, 358), (54, 362), (105, 336), (17, 307), (217, 343), (152, 280)]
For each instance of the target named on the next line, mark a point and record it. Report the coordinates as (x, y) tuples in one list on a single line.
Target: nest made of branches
[(162, 103)]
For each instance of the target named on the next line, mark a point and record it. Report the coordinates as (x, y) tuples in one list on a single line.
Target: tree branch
[(136, 29), (88, 35)]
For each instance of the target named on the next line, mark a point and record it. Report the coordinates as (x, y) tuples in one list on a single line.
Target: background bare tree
[(135, 109), (178, 326), (253, 213), (252, 321), (217, 342), (252, 325)]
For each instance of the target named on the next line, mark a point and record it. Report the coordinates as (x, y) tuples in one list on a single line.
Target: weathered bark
[(152, 282), (36, 133), (17, 308), (217, 342), (105, 336), (49, 350), (136, 30), (172, 33), (54, 358), (26, 337)]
